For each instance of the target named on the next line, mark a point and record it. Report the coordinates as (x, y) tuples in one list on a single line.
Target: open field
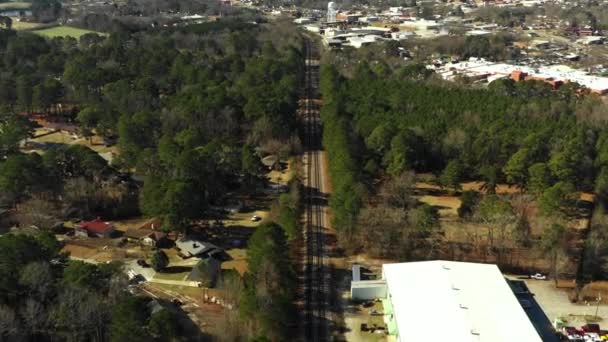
[(244, 219), (16, 5), (45, 139), (24, 25), (172, 276), (124, 225), (238, 262), (65, 31)]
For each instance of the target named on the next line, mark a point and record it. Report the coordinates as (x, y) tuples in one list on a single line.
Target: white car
[(538, 276), (255, 218)]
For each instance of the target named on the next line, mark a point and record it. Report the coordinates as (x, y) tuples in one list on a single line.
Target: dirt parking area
[(555, 304)]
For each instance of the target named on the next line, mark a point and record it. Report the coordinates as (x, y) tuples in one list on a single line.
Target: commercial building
[(556, 75), (449, 301)]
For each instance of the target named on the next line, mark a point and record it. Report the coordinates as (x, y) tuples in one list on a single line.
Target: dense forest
[(383, 127), (190, 112)]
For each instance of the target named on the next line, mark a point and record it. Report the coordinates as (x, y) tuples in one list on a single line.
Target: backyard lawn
[(181, 276), (65, 31)]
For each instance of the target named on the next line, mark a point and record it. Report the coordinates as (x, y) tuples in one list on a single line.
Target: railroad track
[(315, 284)]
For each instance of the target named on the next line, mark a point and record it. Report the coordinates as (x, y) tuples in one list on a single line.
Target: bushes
[(468, 201), (290, 210)]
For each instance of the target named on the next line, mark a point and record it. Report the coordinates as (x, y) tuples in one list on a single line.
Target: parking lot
[(555, 304)]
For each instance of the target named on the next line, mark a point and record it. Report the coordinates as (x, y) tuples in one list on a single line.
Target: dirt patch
[(77, 251), (124, 225), (470, 186), (447, 205)]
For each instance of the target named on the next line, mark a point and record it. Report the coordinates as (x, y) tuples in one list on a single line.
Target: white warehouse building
[(450, 301)]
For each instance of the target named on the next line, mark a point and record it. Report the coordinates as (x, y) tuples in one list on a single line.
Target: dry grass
[(78, 251), (15, 5), (43, 140), (447, 205), (468, 186), (500, 189), (238, 262), (181, 276), (24, 25), (244, 219), (124, 225)]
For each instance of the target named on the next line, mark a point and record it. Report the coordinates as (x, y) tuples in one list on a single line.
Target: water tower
[(331, 12)]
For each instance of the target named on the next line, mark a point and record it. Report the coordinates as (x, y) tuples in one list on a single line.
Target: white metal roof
[(475, 66), (455, 301)]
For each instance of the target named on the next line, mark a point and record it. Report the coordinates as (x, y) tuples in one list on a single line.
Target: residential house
[(190, 247), (96, 228), (146, 237)]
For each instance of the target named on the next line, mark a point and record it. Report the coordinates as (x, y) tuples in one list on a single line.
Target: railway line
[(315, 273)]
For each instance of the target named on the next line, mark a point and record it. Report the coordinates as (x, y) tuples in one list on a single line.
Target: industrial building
[(447, 301)]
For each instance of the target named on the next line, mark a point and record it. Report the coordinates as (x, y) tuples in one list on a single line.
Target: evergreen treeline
[(380, 126), (192, 110)]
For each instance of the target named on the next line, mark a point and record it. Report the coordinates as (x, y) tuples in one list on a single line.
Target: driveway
[(147, 272)]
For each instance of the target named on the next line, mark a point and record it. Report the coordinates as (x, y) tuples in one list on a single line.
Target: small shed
[(366, 289)]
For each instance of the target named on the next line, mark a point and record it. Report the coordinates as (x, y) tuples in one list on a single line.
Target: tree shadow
[(176, 269)]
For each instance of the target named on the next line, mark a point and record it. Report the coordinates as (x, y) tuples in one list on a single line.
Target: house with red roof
[(96, 228)]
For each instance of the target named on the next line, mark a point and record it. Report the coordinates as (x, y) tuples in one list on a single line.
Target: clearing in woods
[(65, 31), (15, 5)]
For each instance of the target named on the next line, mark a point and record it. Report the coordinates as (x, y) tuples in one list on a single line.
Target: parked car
[(538, 276), (177, 302), (592, 337), (142, 263), (255, 218), (591, 328)]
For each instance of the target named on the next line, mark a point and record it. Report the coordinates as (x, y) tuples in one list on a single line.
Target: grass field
[(65, 31), (14, 5), (181, 276), (24, 25)]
